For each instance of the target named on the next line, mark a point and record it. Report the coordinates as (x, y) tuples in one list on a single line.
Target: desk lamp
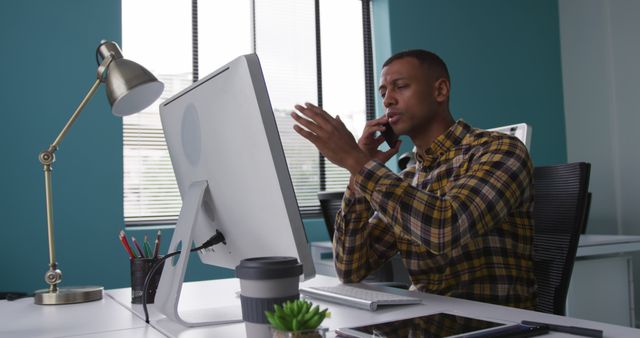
[(130, 88)]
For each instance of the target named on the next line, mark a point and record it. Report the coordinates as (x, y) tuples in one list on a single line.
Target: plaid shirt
[(461, 219)]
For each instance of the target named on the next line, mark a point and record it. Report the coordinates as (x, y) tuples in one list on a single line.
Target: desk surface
[(202, 295), (592, 245), (103, 318), (114, 316), (589, 245)]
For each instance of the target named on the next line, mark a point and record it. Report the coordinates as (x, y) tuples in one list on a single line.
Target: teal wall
[(48, 65), (503, 56), (316, 230)]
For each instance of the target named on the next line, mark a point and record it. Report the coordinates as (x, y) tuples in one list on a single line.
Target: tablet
[(436, 326)]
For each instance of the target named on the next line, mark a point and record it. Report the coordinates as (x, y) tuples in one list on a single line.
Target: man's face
[(408, 96)]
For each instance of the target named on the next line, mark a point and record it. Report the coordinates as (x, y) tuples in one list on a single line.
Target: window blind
[(286, 45), (342, 74), (283, 33), (150, 193)]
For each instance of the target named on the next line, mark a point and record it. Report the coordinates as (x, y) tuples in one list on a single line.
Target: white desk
[(593, 245), (201, 295), (114, 316), (104, 318), (602, 286)]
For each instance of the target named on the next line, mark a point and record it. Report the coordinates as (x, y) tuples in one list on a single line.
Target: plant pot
[(315, 333)]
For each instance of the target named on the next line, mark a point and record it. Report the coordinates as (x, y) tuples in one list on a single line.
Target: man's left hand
[(330, 136)]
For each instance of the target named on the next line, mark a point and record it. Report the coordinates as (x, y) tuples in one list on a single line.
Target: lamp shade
[(130, 87)]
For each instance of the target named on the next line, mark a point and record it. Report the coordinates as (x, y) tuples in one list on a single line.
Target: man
[(461, 218)]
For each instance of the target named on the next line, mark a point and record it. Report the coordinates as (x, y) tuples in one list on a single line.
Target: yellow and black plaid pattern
[(461, 219)]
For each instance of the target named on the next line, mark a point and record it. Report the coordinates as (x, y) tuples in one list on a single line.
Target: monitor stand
[(168, 294)]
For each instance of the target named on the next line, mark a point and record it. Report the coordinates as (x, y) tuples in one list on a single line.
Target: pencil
[(156, 248), (146, 247), (125, 243), (133, 239)]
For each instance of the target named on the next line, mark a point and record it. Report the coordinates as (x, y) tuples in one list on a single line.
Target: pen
[(125, 243), (156, 248), (133, 239), (580, 331), (146, 247)]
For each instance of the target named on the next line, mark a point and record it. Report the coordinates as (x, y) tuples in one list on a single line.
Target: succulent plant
[(296, 315)]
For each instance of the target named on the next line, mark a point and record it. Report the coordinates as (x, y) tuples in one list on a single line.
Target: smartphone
[(389, 136)]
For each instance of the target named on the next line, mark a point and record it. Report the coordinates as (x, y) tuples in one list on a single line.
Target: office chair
[(330, 203), (559, 215), (407, 159)]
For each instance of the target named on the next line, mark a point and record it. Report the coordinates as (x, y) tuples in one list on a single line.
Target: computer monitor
[(522, 131), (233, 177)]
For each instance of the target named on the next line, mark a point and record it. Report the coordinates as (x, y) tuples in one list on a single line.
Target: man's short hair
[(434, 63)]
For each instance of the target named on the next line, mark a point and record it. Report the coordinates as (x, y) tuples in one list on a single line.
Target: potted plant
[(297, 318)]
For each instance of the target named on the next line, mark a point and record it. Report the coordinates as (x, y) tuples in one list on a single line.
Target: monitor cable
[(215, 239)]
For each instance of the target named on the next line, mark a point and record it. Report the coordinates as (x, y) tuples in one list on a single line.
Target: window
[(178, 41)]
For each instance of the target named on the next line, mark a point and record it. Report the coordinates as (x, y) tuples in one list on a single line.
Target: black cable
[(11, 296), (215, 239)]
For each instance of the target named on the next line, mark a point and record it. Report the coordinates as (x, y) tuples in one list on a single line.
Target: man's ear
[(441, 90)]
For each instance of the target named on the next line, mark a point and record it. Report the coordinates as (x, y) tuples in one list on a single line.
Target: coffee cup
[(264, 282)]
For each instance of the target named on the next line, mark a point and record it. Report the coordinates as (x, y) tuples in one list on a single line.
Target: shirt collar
[(447, 141)]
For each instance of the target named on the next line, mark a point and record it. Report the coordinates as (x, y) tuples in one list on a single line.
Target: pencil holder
[(140, 267)]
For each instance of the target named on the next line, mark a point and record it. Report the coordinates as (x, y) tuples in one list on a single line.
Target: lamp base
[(68, 295)]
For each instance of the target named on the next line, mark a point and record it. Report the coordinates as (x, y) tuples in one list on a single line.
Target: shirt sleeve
[(362, 241), (491, 187)]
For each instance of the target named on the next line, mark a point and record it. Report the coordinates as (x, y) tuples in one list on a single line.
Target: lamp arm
[(54, 146), (100, 76), (54, 276)]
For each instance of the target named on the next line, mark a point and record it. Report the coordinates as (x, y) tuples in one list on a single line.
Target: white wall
[(600, 46), (625, 37), (589, 105)]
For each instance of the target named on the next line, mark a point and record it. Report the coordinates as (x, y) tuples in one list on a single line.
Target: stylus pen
[(580, 331)]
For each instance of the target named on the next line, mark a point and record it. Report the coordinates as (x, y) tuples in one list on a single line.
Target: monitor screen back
[(222, 129)]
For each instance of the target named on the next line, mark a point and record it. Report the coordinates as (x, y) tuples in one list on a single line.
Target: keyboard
[(357, 295)]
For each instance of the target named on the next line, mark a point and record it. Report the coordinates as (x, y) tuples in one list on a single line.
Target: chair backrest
[(330, 203), (559, 215)]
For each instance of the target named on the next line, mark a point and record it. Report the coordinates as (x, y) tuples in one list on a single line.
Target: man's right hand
[(369, 142)]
